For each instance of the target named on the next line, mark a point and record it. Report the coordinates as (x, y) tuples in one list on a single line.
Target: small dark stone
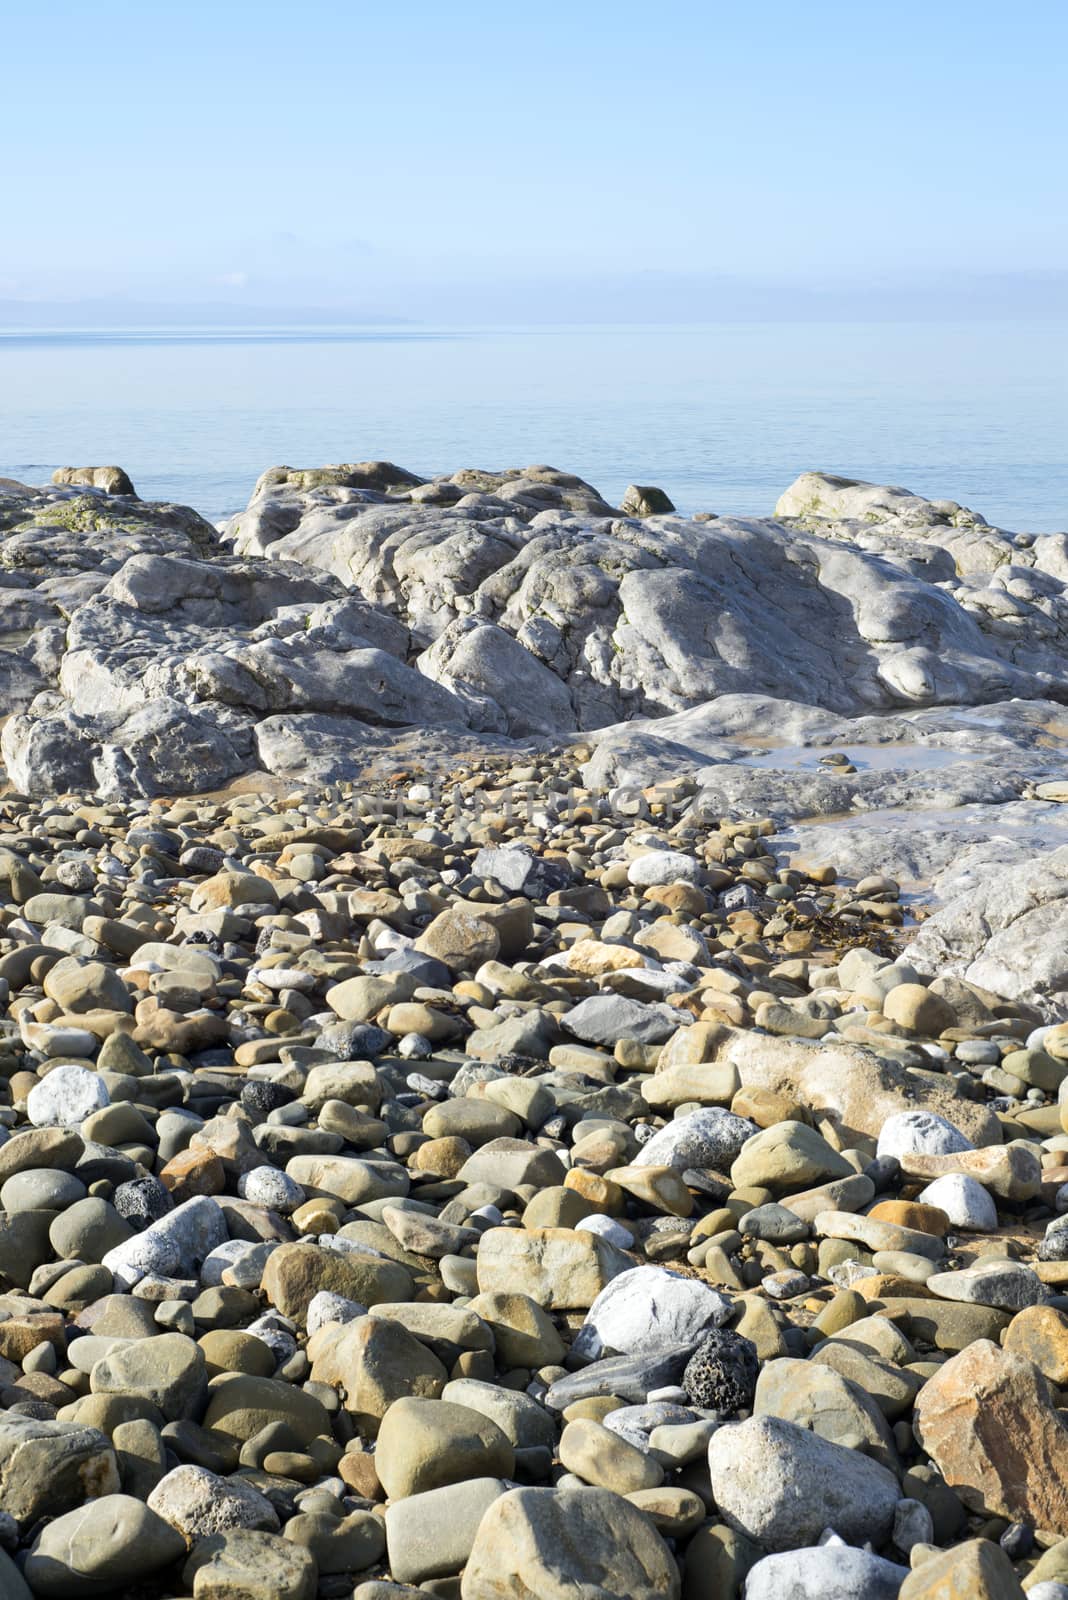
[(705, 1183), (884, 1172), (209, 1066), (646, 500), (722, 1373), (927, 1485), (142, 1201), (158, 839), (774, 1223), (260, 1097), (37, 1410), (98, 1162), (518, 1066), (533, 1464), (1017, 1541), (194, 1444), (336, 1586)]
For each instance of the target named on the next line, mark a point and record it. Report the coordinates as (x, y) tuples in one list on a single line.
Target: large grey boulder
[(782, 1486), (654, 615), (161, 747), (710, 1138), (199, 1503), (650, 1310), (819, 497)]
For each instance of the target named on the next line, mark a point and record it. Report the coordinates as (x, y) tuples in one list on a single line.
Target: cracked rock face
[(879, 601), (143, 652), (1007, 934)]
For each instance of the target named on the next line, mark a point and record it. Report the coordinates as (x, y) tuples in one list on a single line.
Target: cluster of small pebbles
[(504, 1198)]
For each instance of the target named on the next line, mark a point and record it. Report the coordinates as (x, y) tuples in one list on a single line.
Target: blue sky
[(431, 160)]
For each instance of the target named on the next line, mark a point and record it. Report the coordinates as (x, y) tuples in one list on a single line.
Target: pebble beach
[(533, 1045)]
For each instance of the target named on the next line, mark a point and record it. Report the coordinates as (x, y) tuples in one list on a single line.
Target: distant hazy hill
[(616, 297), (111, 313)]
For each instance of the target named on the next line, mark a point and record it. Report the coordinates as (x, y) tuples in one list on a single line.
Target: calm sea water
[(722, 417)]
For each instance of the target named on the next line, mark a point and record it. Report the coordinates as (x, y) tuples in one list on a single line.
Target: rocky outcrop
[(651, 613), (1008, 934), (518, 605)]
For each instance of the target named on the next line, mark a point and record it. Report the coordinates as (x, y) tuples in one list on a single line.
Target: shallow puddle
[(866, 758)]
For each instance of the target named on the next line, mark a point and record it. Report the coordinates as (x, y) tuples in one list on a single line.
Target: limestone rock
[(920, 1133), (559, 1268), (426, 1444), (646, 1310), (65, 1097), (199, 1503), (101, 1548), (48, 1467), (256, 1566), (555, 1543), (430, 1535), (782, 1486), (833, 1571), (976, 1570), (1004, 933), (709, 1138)]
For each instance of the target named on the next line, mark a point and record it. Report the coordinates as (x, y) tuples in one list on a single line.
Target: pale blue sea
[(721, 416)]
